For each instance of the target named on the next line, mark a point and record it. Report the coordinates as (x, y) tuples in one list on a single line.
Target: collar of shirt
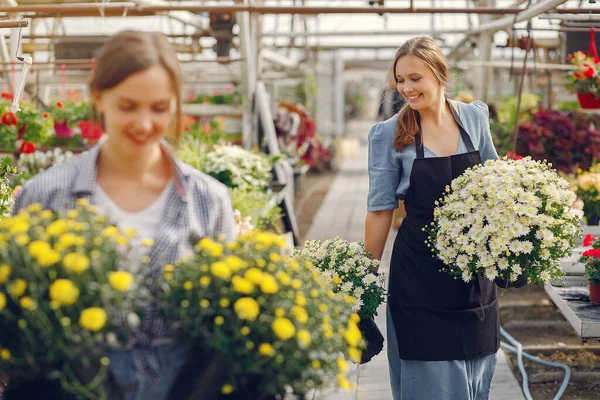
[(86, 179)]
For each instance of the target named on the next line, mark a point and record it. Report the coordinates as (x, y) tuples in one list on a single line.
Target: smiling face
[(137, 111), (417, 83)]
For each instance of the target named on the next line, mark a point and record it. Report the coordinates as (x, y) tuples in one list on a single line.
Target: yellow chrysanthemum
[(224, 303), (122, 240), (72, 214), (130, 232), (49, 258), (46, 214), (246, 308), (92, 319), (242, 285), (63, 292), (57, 228), (352, 334), (304, 337), (343, 382), (148, 242), (120, 280), (204, 303), (235, 263), (296, 284), (110, 232), (355, 317), (38, 247), (254, 275), (5, 271), (265, 349), (283, 328), (219, 320), (2, 301), (188, 285), (274, 257), (314, 293), (220, 270), (354, 354), (300, 299), (5, 354), (27, 303), (34, 208), (215, 249), (245, 331), (316, 364), (75, 262), (342, 365), (22, 239), (227, 389), (204, 281), (17, 287), (284, 278), (269, 284), (279, 312), (300, 314)]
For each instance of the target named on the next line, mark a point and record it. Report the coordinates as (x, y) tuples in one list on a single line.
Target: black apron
[(437, 317)]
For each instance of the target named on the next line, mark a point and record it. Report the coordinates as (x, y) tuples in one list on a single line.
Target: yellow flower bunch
[(272, 318), (62, 291), (586, 184)]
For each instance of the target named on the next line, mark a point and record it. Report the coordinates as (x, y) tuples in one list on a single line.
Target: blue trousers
[(134, 386), (437, 380)]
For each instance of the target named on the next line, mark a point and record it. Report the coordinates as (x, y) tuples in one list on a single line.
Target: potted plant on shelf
[(584, 79), (23, 131), (587, 187), (591, 259)]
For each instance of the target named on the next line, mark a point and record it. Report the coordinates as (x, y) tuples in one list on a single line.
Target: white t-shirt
[(144, 222)]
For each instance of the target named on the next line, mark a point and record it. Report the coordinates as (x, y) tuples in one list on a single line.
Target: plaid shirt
[(197, 206)]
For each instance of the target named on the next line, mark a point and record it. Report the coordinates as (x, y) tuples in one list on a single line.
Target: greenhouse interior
[(300, 199)]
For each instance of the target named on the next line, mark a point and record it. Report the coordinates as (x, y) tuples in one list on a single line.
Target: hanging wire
[(22, 59)]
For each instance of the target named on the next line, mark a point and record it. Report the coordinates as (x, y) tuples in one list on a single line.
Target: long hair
[(129, 52), (425, 49)]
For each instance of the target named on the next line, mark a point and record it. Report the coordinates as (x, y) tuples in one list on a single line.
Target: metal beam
[(14, 24), (505, 22), (131, 9)]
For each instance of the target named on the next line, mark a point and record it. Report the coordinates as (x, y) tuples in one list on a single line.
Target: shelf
[(583, 316), (211, 110)]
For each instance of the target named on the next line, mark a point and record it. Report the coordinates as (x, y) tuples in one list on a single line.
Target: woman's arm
[(377, 228)]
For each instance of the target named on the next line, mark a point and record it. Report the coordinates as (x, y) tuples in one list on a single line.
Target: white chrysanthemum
[(346, 287), (369, 279)]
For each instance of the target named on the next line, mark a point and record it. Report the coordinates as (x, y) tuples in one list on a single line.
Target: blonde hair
[(425, 49), (129, 52)]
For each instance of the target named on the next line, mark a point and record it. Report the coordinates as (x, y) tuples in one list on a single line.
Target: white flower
[(346, 287), (369, 279)]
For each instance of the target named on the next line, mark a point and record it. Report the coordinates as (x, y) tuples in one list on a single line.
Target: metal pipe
[(572, 17), (132, 9), (502, 23), (14, 24), (384, 33)]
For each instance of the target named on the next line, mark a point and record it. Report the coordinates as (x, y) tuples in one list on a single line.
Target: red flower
[(8, 96), (229, 88), (216, 92), (27, 147), (589, 72), (45, 115), (9, 118), (59, 104), (578, 75), (589, 253), (513, 156), (588, 240)]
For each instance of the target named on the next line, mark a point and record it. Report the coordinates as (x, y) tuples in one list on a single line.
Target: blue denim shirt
[(389, 170)]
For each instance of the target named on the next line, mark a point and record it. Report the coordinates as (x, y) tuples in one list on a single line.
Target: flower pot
[(90, 130), (593, 220), (588, 100), (594, 293), (62, 130), (374, 338)]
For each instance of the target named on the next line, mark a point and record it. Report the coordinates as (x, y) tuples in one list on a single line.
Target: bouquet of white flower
[(237, 167), (347, 267), (506, 218), (38, 161)]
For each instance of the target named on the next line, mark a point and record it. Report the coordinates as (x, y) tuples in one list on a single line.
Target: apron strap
[(419, 139), (463, 132)]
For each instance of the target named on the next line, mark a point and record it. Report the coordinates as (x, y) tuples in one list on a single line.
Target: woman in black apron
[(443, 333)]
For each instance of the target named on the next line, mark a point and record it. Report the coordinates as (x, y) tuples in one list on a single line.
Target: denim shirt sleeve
[(384, 174), (487, 150)]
